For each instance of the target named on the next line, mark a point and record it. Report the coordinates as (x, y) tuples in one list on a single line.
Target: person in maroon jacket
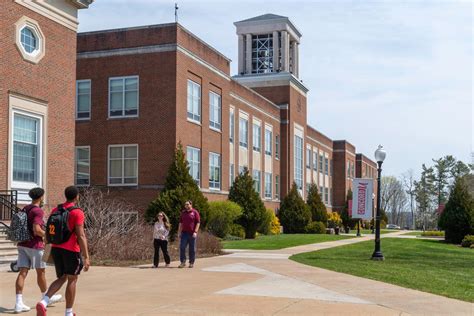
[(30, 252), (188, 228)]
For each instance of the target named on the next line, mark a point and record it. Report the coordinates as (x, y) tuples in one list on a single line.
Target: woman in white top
[(160, 235)]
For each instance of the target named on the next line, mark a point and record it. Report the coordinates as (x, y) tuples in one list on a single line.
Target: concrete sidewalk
[(244, 283)]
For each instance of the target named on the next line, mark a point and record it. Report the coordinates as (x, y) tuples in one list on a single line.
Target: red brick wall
[(52, 80)]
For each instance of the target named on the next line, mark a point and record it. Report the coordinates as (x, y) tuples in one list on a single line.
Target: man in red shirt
[(67, 256), (30, 252), (188, 228)]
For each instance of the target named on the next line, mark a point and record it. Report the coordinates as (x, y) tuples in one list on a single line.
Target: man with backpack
[(28, 229), (65, 231)]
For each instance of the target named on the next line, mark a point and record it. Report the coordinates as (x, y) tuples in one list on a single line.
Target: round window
[(29, 40)]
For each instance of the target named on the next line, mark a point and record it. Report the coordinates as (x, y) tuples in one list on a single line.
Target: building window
[(330, 196), (83, 99), (352, 170), (231, 126), (241, 170), (257, 182), (277, 147), (307, 188), (123, 164), (82, 170), (321, 191), (243, 132), (214, 171), (268, 185), (257, 136), (193, 156), (214, 111), (326, 195), (29, 40), (194, 101), (315, 161), (331, 166), (123, 97), (26, 148), (321, 163), (299, 162), (231, 175), (277, 187), (326, 165), (268, 142), (308, 158), (348, 169), (262, 53)]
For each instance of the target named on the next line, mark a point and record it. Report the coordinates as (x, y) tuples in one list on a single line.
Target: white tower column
[(276, 57), (296, 61), (248, 54), (241, 55), (285, 51)]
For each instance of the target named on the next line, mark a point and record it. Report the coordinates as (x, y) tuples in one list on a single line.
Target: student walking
[(69, 240), (161, 231), (30, 252), (189, 223)]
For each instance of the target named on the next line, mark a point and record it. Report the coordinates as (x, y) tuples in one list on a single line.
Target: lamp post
[(379, 157), (373, 214)]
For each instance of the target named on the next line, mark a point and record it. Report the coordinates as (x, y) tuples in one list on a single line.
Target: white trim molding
[(62, 12), (40, 50), (38, 110)]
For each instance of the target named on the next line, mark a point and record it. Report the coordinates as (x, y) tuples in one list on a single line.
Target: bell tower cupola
[(268, 44)]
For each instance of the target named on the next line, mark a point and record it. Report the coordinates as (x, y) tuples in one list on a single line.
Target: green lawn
[(271, 242), (426, 265), (413, 234), (369, 232)]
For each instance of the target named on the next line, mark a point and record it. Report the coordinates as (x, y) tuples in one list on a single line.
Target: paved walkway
[(243, 283)]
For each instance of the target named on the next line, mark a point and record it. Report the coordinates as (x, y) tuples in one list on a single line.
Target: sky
[(396, 73)]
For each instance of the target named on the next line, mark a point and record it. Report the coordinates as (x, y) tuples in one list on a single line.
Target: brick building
[(37, 98), (142, 90)]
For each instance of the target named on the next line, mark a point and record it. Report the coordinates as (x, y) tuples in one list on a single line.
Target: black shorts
[(66, 262)]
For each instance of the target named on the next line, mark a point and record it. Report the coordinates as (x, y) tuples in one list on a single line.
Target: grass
[(271, 242), (426, 265), (369, 232), (418, 233)]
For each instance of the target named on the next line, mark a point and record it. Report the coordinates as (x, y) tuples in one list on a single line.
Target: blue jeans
[(187, 238)]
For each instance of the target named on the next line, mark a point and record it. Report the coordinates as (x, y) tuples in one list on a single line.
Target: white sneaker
[(54, 299), (21, 308)]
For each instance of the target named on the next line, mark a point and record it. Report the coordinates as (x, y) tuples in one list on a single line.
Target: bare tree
[(408, 180), (393, 198)]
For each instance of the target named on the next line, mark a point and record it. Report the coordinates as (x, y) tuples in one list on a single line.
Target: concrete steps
[(8, 250)]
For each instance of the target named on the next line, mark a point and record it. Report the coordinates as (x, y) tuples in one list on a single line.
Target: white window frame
[(277, 147), (40, 147), (123, 166), (77, 100), (268, 141), (326, 165), (308, 158), (123, 97), (321, 163), (244, 134), (231, 125), (213, 124), (297, 174), (257, 178), (231, 174), (215, 185), (256, 139), (315, 160), (76, 163), (199, 107), (268, 186), (277, 186), (191, 166)]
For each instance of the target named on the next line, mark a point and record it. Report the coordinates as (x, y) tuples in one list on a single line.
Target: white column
[(276, 57), (241, 55), (285, 51), (248, 55), (297, 60)]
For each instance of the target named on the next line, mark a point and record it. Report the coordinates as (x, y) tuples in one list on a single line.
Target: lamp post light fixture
[(379, 157)]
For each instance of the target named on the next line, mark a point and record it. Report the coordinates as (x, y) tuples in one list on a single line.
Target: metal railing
[(8, 204)]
